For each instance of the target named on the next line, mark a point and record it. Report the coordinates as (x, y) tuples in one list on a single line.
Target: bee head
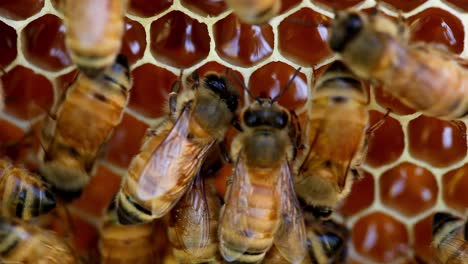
[(266, 116), (345, 28), (220, 86)]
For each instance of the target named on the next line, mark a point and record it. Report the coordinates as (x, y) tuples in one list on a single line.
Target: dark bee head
[(222, 88), (121, 65), (345, 28), (266, 116)]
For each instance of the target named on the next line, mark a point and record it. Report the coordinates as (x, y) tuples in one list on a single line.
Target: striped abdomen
[(449, 239)]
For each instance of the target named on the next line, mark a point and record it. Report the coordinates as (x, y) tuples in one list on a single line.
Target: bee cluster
[(288, 168)]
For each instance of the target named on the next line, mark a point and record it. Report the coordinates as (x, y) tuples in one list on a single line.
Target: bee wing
[(234, 217), (192, 219), (291, 237), (155, 178)]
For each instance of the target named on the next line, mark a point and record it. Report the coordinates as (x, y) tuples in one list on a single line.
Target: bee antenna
[(286, 87), (242, 84)]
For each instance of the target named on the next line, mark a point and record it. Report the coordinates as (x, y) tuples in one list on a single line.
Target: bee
[(23, 194), (261, 208), (85, 118), (94, 32), (425, 77), (450, 238), (255, 11), (173, 152), (126, 244), (20, 243), (193, 223), (337, 123)]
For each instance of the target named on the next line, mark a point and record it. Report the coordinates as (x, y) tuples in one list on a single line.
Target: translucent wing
[(173, 164), (234, 220), (291, 237), (192, 219)]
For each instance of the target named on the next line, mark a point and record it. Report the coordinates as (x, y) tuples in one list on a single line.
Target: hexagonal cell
[(380, 237), (151, 88), (85, 235), (272, 78), (179, 40), (360, 197), (147, 8), (205, 7), (462, 4), (386, 100), (301, 42), (242, 44), (7, 44), (438, 26), (404, 5), (423, 238), (440, 143), (134, 41), (44, 43), (408, 189), (27, 94), (9, 134), (20, 9), (386, 143), (343, 4), (125, 141), (98, 194), (454, 186)]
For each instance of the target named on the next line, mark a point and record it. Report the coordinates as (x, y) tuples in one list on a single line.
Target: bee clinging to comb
[(450, 238), (255, 11)]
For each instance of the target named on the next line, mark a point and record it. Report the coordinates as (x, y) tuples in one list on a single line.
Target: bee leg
[(379, 123)]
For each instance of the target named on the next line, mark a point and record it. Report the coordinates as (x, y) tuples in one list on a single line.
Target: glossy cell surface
[(361, 196), (206, 7), (146, 8), (455, 184), (272, 78), (387, 101), (288, 4), (44, 43), (242, 44), (7, 44), (179, 40), (134, 41), (20, 9), (404, 6), (422, 231), (303, 36), (438, 26), (386, 141), (439, 143), (27, 93), (150, 91), (462, 4), (380, 237), (408, 189)]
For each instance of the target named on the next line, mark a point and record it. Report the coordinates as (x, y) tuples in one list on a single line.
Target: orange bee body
[(450, 238), (255, 11)]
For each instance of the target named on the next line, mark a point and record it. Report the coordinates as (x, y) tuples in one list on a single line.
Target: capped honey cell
[(454, 186), (134, 41), (408, 189), (361, 196), (242, 44), (147, 8), (20, 9), (288, 4), (7, 44), (44, 43), (205, 7)]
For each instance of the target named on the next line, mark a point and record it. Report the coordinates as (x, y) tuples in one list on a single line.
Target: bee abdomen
[(130, 212), (447, 231)]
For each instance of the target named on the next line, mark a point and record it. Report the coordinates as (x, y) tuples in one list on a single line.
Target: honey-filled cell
[(27, 94), (360, 197), (454, 186), (242, 44), (288, 4), (422, 232), (341, 4), (150, 91), (20, 9), (205, 7), (437, 142), (271, 79), (302, 37), (125, 141), (435, 25), (7, 45), (404, 5), (461, 4), (179, 40), (408, 189), (380, 237), (9, 134), (388, 101), (134, 41), (147, 8), (44, 43), (386, 141)]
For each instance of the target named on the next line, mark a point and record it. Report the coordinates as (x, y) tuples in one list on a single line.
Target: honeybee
[(94, 32), (261, 207), (424, 77), (85, 118), (126, 244), (23, 194), (450, 238), (337, 122), (255, 11), (193, 223), (20, 243), (173, 152)]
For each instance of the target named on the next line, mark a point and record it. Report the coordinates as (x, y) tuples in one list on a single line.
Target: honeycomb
[(416, 164)]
